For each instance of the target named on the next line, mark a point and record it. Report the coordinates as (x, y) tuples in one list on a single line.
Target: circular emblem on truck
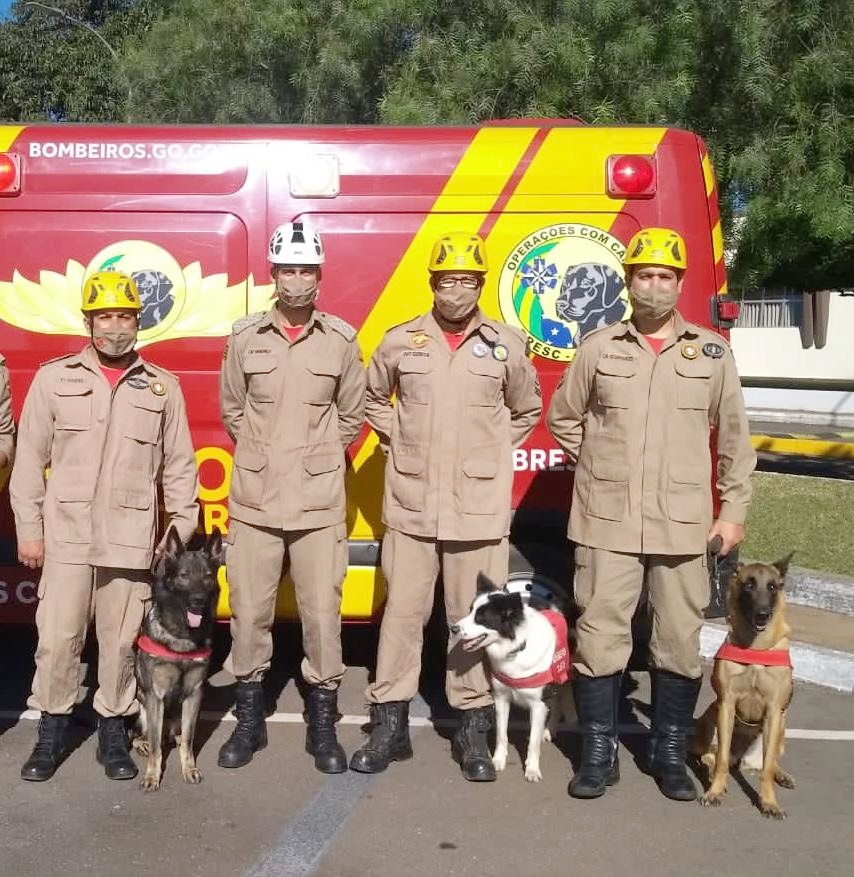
[(158, 277), (561, 282)]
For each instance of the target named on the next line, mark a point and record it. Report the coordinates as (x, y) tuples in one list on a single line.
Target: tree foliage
[(769, 84)]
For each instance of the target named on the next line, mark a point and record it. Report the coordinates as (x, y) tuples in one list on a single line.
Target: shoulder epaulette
[(57, 359), (247, 321), (342, 327), (160, 368)]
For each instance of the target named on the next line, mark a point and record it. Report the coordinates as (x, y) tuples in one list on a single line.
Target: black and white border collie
[(528, 656)]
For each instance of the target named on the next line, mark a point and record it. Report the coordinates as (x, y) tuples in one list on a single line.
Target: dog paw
[(499, 762), (149, 783), (786, 780), (533, 775), (708, 759), (710, 800), (140, 746), (547, 736), (772, 811), (191, 775)]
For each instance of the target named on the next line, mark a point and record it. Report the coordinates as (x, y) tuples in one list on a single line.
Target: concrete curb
[(833, 593), (814, 664)]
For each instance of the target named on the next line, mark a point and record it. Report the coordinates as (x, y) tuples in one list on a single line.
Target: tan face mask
[(456, 303), (296, 292), (653, 303), (113, 343)]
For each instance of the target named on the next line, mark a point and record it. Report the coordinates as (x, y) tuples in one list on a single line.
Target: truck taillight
[(631, 176), (10, 173), (726, 311)]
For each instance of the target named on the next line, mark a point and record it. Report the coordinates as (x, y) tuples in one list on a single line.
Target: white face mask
[(113, 343), (297, 292), (654, 302)]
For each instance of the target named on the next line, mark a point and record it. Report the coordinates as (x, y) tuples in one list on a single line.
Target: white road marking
[(422, 722)]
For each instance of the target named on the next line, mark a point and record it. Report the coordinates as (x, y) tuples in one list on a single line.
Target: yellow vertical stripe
[(717, 242), (708, 174)]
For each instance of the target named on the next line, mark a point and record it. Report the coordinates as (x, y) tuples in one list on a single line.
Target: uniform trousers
[(255, 562), (70, 595), (608, 586), (411, 565)]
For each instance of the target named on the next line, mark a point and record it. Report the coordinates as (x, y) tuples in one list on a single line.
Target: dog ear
[(485, 585), (782, 566), (174, 547), (213, 546)]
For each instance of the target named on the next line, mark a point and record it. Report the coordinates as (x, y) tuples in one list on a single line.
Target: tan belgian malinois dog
[(752, 678)]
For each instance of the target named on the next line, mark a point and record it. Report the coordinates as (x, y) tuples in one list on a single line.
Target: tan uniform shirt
[(452, 428), (107, 450), (7, 423), (292, 408), (637, 428)]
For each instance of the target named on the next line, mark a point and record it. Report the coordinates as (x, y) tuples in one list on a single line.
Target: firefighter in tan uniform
[(466, 395), (7, 423), (293, 398), (634, 413), (111, 428)]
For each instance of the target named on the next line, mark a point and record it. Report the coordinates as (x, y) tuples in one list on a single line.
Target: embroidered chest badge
[(689, 350), (137, 383), (500, 352), (157, 388), (419, 339), (479, 350), (712, 350)]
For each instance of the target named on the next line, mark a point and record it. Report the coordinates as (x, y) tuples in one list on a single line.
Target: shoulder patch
[(247, 321), (342, 327)]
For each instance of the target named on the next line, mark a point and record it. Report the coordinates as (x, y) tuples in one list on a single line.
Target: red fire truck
[(188, 210)]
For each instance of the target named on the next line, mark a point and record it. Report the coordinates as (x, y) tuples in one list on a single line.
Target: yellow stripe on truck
[(8, 135)]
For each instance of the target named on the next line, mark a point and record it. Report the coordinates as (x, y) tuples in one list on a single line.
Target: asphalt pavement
[(278, 816)]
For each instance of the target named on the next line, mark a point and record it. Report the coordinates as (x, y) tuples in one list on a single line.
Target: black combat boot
[(113, 750), (320, 739), (596, 701), (49, 750), (673, 700), (470, 746), (389, 740), (250, 735)]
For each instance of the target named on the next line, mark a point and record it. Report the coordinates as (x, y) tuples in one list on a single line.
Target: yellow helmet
[(459, 251), (657, 246), (110, 289)]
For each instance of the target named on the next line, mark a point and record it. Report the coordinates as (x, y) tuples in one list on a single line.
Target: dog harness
[(558, 672), (762, 657), (158, 650)]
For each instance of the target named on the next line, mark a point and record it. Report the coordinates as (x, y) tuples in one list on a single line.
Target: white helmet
[(296, 243)]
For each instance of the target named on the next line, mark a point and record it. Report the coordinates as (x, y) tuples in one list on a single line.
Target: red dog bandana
[(148, 645), (762, 657), (558, 672)]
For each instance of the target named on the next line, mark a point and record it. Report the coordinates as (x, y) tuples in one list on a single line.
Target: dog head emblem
[(590, 295)]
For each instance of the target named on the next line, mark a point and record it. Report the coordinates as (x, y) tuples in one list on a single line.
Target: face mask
[(114, 343), (456, 303), (653, 303), (296, 292)]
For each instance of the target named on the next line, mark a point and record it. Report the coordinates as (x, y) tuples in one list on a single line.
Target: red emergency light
[(631, 176), (10, 173)]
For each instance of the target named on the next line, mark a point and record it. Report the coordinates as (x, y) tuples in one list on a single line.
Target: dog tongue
[(193, 620)]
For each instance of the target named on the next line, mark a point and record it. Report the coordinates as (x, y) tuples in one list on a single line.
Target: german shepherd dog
[(751, 697), (173, 652)]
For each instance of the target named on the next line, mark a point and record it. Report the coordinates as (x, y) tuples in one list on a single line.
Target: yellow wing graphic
[(51, 306)]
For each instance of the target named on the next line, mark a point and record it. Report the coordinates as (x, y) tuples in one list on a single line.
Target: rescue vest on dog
[(158, 650), (762, 657), (558, 672)]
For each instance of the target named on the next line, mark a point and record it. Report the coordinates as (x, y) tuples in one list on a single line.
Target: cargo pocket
[(408, 482), (321, 483), (613, 382), (145, 419), (247, 477), (484, 382), (73, 521), (413, 379), (261, 372), (73, 406), (693, 384), (317, 386), (609, 489), (688, 493), (132, 521), (478, 484)]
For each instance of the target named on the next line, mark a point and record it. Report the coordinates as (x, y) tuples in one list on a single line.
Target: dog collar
[(146, 644), (558, 671), (763, 657)]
